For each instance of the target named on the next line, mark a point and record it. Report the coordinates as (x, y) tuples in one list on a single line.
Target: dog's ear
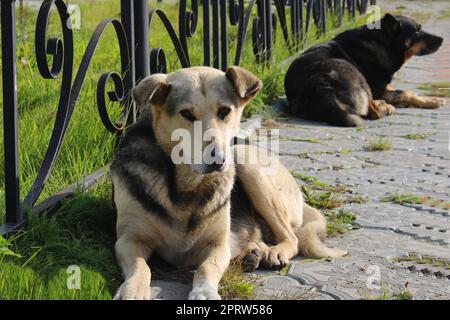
[(245, 84), (390, 23), (153, 89)]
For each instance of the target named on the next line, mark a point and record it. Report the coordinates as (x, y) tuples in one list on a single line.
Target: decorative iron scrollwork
[(62, 52)]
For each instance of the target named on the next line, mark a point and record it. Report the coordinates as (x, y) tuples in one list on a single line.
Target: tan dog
[(182, 211)]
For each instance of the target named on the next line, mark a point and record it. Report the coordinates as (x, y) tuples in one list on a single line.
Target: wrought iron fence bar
[(223, 35), (262, 29), (300, 20), (280, 10), (127, 19), (243, 25), (268, 32), (309, 9), (206, 34), (10, 112), (215, 27), (294, 20), (61, 51), (323, 15), (141, 39)]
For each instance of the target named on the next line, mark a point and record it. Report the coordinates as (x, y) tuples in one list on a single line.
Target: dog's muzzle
[(220, 163), (433, 43)]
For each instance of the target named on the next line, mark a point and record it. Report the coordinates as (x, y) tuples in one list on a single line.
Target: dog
[(346, 80), (203, 215)]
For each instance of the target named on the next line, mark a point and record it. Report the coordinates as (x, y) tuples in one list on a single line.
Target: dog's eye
[(187, 114), (223, 112)]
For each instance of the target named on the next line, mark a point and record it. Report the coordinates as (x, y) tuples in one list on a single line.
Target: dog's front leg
[(210, 271), (405, 99), (132, 257)]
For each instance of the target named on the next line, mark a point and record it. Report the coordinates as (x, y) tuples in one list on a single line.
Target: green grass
[(402, 295), (235, 286), (327, 197), (407, 198), (321, 200), (386, 295), (416, 136), (419, 16), (417, 259), (5, 249), (33, 263), (339, 222), (444, 14), (299, 139), (403, 198), (381, 144), (320, 185), (436, 89), (307, 155)]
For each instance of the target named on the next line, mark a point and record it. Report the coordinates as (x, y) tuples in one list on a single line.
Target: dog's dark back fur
[(334, 81)]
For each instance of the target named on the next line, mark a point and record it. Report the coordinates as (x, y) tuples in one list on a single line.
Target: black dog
[(345, 80)]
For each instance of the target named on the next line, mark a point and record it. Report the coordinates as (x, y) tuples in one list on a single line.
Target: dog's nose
[(216, 167), (437, 42), (218, 163)]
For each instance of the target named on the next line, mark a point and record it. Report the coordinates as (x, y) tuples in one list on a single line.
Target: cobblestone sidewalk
[(393, 247)]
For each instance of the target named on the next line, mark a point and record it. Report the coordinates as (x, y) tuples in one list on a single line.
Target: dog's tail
[(339, 117), (330, 109), (312, 232), (344, 119)]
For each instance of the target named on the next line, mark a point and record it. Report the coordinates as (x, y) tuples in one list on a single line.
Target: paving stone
[(283, 287), (427, 232), (169, 290)]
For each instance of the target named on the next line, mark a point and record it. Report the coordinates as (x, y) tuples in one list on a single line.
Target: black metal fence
[(133, 32)]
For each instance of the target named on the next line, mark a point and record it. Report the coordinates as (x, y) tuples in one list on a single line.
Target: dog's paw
[(275, 259), (435, 103), (384, 109), (134, 290), (250, 261), (390, 109), (204, 292)]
